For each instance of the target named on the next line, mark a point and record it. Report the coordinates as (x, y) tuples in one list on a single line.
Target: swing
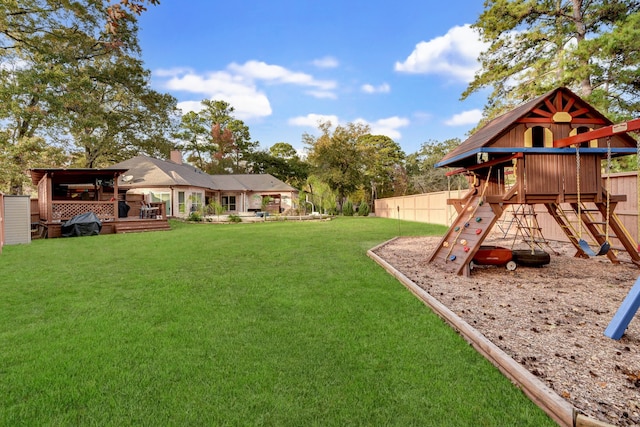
[(604, 248)]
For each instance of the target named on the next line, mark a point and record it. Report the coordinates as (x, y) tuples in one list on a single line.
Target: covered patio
[(65, 193)]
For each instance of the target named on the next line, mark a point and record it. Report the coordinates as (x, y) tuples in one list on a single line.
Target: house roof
[(148, 171), (478, 142), (255, 182), (76, 175)]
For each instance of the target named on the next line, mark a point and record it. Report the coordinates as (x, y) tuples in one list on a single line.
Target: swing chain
[(606, 232), (578, 190)]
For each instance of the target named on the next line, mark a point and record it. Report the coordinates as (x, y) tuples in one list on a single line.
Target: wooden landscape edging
[(548, 400)]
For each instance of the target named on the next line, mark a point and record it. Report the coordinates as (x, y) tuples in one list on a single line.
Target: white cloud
[(258, 70), (238, 85), (312, 120), (186, 106), (322, 94), (470, 117), (326, 62), (455, 54), (383, 88), (248, 101), (172, 72), (388, 126)]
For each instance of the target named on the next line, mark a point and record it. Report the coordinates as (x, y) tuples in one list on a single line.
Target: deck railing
[(62, 210)]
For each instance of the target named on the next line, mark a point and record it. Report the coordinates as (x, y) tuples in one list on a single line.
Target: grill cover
[(86, 224)]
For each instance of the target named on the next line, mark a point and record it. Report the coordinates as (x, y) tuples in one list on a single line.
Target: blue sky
[(399, 66)]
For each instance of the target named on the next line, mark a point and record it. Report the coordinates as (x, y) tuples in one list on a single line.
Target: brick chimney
[(176, 156)]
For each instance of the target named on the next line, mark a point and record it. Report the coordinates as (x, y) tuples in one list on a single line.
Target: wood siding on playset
[(512, 138), (545, 175)]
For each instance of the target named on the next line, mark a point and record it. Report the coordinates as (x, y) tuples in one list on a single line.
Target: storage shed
[(17, 219)]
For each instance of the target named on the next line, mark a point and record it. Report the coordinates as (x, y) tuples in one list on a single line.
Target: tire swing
[(604, 248), (533, 257)]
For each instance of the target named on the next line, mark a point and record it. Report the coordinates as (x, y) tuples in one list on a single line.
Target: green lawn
[(277, 324)]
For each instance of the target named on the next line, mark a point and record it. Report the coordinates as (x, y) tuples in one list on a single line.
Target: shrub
[(347, 208), (363, 209), (234, 218), (195, 216)]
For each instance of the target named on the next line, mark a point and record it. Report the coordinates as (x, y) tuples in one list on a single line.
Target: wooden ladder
[(458, 246)]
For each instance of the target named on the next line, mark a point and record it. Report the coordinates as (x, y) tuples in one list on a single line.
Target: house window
[(196, 202), (229, 203), (162, 198), (182, 205)]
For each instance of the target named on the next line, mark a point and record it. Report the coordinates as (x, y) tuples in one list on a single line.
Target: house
[(549, 151), (140, 193), (183, 188)]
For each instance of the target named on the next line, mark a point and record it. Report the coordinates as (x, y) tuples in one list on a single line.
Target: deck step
[(141, 226)]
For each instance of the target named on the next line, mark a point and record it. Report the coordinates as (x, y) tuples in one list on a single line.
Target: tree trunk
[(581, 31)]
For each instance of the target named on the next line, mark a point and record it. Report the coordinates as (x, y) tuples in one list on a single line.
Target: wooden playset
[(549, 151)]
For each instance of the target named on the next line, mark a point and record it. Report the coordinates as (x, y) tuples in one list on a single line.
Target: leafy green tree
[(231, 139), (71, 79), (423, 176), (281, 161), (335, 157), (322, 196), (214, 140), (16, 158), (536, 45), (193, 134), (283, 150), (118, 114), (383, 160)]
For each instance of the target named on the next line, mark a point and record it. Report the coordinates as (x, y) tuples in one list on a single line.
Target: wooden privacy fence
[(427, 207), (1, 221), (433, 208)]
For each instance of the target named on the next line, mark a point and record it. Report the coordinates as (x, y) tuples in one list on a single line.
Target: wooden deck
[(122, 225)]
